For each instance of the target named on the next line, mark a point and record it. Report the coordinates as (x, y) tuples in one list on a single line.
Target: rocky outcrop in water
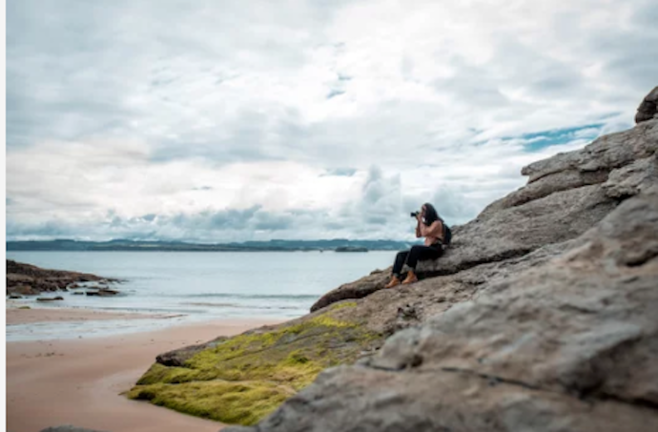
[(26, 279)]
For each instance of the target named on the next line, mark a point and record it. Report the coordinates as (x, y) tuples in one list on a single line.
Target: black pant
[(417, 253)]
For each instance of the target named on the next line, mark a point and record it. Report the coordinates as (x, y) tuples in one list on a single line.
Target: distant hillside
[(250, 246)]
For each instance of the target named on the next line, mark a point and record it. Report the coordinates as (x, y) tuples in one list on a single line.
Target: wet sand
[(15, 315), (51, 383)]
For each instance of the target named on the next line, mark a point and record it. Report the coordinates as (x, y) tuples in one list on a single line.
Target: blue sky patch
[(543, 139)]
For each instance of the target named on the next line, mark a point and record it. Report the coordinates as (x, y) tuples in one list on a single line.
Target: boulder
[(22, 290), (648, 107), (49, 299), (107, 292), (102, 293)]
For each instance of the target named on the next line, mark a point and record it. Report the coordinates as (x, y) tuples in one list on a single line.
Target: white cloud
[(176, 109)]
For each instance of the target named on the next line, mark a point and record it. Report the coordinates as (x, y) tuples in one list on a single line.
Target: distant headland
[(249, 246)]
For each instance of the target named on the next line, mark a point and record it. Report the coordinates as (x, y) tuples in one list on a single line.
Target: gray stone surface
[(568, 344), (565, 196), (648, 107), (355, 290)]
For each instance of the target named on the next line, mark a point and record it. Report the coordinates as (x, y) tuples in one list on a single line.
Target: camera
[(414, 214)]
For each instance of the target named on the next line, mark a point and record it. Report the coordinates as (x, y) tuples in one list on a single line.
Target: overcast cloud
[(218, 121)]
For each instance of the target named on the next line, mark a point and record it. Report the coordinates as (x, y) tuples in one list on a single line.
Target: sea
[(192, 287)]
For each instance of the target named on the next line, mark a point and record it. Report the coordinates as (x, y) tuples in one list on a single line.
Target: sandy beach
[(79, 382), (15, 315)]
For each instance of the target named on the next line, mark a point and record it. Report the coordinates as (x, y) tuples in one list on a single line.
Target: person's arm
[(434, 230), (418, 233)]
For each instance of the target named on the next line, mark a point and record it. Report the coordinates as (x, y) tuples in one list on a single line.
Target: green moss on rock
[(342, 305), (246, 377), (243, 403)]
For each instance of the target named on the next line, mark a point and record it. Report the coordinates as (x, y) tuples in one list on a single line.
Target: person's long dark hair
[(430, 214)]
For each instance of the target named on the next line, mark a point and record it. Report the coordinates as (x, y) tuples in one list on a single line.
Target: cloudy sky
[(214, 121)]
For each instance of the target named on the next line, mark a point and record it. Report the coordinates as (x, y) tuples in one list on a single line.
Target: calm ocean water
[(196, 286)]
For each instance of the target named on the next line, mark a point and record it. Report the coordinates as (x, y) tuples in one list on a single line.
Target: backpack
[(447, 233)]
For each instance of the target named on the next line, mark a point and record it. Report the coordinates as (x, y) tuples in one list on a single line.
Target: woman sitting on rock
[(429, 226)]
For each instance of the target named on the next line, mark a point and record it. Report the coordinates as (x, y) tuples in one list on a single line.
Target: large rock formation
[(26, 279), (569, 344), (540, 317), (565, 195)]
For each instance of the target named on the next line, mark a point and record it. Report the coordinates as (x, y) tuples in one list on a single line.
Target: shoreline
[(80, 381), (18, 314)]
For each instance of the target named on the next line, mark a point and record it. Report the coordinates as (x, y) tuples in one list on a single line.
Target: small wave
[(139, 309), (237, 306), (256, 296), (212, 304)]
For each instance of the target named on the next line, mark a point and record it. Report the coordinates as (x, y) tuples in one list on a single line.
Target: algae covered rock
[(244, 378), (178, 357)]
